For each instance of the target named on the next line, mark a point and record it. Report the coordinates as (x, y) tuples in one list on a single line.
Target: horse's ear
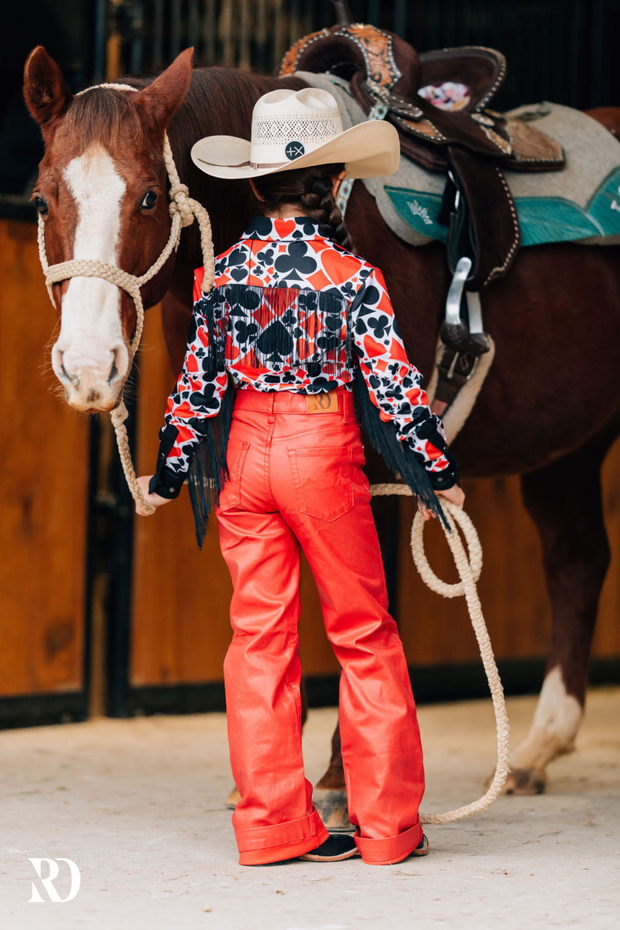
[(160, 100), (45, 90)]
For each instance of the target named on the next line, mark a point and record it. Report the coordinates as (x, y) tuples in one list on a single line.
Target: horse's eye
[(41, 205), (149, 200)]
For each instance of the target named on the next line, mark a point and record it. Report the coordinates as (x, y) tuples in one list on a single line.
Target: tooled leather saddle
[(472, 145)]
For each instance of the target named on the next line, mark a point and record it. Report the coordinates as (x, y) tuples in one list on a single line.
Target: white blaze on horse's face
[(90, 357)]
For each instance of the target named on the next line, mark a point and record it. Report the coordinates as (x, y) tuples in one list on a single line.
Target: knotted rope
[(469, 569), (183, 210)]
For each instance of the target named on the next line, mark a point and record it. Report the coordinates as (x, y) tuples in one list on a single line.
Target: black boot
[(338, 846)]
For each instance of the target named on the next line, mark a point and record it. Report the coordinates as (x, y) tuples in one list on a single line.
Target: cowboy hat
[(297, 129)]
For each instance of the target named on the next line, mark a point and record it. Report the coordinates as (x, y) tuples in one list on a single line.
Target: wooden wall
[(180, 614), (43, 464)]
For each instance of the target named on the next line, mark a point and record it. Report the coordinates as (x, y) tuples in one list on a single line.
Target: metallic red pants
[(296, 480)]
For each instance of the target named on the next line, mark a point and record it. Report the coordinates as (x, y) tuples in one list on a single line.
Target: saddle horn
[(343, 12)]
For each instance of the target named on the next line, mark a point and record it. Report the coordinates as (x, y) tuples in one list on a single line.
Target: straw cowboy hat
[(296, 129)]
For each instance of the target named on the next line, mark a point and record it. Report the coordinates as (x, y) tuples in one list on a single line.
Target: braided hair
[(311, 188)]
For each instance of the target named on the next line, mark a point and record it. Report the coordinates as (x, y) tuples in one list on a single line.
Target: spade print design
[(274, 343)]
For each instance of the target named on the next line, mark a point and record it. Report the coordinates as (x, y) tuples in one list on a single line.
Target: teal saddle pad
[(542, 219)]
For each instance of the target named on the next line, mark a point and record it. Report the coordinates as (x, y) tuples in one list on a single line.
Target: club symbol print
[(294, 150)]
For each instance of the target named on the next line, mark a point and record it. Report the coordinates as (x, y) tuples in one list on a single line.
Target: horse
[(549, 409)]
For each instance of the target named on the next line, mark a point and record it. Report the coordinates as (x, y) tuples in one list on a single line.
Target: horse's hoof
[(525, 781), (331, 803), (232, 799)]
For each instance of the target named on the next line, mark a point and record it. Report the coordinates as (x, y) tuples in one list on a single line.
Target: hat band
[(248, 164), (266, 164)]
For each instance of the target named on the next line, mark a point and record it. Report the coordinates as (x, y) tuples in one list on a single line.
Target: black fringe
[(401, 460), (280, 347), (208, 470)]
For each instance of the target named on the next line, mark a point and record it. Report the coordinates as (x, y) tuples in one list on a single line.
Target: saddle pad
[(581, 203)]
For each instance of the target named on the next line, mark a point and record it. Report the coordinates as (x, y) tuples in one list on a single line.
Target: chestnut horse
[(549, 409)]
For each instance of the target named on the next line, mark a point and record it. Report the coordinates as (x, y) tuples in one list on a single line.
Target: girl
[(294, 344)]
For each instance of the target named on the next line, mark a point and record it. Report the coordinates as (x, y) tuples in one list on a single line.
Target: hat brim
[(368, 150)]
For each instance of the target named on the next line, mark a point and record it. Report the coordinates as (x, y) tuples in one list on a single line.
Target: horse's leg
[(564, 500), (330, 796)]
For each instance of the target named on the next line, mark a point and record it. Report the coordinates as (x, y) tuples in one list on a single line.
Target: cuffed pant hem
[(261, 845), (389, 851)]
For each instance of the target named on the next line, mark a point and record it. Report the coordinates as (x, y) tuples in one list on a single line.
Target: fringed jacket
[(292, 311)]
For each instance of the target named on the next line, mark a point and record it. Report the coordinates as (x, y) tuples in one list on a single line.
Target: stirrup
[(463, 344)]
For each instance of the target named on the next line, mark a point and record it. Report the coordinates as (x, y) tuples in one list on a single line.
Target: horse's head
[(102, 194)]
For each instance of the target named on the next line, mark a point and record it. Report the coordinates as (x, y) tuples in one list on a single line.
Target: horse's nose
[(91, 380), (108, 366)]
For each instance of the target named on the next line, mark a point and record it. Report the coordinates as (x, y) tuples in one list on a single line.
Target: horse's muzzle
[(92, 381)]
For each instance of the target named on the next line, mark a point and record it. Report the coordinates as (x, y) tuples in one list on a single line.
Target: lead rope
[(183, 210), (469, 572)]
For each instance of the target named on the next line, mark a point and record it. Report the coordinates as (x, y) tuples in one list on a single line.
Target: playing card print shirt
[(292, 311)]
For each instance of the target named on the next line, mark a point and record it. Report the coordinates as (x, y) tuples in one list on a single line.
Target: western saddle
[(472, 146)]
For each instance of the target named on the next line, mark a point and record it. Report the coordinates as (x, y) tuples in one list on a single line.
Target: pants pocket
[(322, 478), (235, 459)]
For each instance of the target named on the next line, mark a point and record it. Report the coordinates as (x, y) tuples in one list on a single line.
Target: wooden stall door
[(43, 463)]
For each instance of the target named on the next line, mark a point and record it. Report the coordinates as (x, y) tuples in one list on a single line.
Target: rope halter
[(183, 210)]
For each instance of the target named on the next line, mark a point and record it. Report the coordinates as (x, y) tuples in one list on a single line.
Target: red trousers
[(296, 480)]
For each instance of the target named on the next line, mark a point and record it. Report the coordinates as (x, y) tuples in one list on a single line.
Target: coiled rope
[(469, 566), (183, 210)]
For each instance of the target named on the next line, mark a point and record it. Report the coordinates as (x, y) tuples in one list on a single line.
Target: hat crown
[(287, 124)]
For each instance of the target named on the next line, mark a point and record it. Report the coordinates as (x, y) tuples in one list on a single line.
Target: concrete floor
[(137, 804)]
